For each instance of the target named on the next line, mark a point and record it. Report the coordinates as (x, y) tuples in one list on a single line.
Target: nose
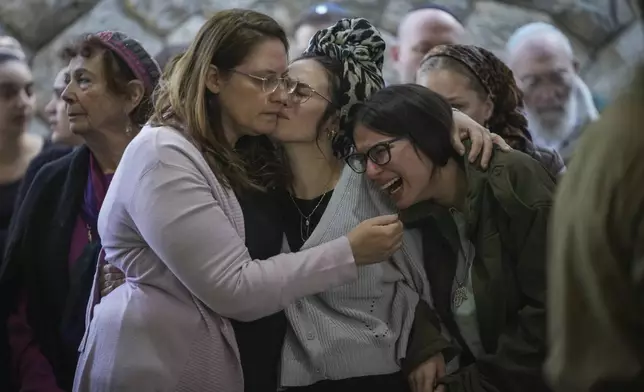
[(282, 95), (24, 99), (50, 108), (67, 94), (546, 95), (373, 170)]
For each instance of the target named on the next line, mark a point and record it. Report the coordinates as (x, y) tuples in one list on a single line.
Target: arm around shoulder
[(175, 212)]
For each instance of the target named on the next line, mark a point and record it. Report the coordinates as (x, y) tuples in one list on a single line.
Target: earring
[(331, 133), (128, 129)]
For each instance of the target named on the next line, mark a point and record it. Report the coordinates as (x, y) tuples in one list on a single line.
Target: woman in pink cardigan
[(172, 222)]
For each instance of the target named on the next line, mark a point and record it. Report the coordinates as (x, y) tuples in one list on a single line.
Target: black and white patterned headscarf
[(360, 48)]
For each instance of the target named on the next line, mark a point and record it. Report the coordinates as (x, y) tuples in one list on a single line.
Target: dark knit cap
[(142, 65)]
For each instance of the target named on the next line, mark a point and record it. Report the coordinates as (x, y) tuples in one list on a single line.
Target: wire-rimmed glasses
[(271, 83)]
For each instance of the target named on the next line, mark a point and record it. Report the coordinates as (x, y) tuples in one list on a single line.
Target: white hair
[(536, 29)]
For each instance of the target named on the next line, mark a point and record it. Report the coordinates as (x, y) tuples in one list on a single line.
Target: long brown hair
[(183, 101)]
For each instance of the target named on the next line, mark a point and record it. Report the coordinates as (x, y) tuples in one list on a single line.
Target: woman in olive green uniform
[(483, 231)]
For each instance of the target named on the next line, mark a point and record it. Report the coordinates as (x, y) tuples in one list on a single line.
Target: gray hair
[(536, 29)]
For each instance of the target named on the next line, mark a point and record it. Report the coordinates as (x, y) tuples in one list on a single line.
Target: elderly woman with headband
[(483, 235), (54, 244), (478, 83), (172, 222)]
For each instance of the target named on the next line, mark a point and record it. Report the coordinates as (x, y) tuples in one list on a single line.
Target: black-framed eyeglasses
[(380, 154), (271, 83), (303, 92)]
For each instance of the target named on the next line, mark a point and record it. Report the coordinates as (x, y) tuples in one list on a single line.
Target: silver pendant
[(306, 222), (460, 295)]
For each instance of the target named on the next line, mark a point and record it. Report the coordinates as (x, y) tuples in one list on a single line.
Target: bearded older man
[(558, 102)]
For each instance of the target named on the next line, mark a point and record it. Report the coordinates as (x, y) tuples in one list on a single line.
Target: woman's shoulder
[(163, 146), (517, 178)]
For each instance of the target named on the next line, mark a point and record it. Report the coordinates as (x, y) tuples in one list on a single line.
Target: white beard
[(551, 129)]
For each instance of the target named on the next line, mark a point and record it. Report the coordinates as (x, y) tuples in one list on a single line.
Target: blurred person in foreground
[(596, 271)]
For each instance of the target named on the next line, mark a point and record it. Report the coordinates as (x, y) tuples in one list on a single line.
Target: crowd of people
[(220, 218)]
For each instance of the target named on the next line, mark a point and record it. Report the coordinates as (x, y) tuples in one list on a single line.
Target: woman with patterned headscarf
[(478, 83), (356, 336)]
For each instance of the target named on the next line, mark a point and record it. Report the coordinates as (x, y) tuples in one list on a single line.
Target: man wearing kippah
[(313, 19), (419, 31)]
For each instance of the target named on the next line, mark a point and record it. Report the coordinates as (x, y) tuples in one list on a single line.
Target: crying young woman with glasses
[(483, 236)]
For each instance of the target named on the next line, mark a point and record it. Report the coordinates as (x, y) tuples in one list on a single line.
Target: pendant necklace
[(305, 220)]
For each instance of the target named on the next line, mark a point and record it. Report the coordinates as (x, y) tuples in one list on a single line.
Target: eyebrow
[(79, 71), (16, 85)]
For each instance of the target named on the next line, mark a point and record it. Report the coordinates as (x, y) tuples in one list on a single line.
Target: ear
[(332, 124), (395, 53), (135, 93), (488, 109), (213, 79)]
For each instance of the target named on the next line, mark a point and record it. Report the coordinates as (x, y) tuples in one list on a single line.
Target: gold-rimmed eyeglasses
[(271, 83), (303, 92)]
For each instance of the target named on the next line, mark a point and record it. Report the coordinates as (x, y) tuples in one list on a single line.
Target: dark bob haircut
[(414, 112)]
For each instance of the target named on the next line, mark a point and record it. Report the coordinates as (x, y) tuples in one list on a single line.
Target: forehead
[(267, 56), (365, 137), (93, 63), (59, 81), (445, 82), (310, 72), (534, 57), (14, 71), (430, 27)]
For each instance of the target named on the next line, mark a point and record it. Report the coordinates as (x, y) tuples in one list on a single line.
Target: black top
[(296, 213), (37, 251), (260, 341), (11, 195), (8, 195)]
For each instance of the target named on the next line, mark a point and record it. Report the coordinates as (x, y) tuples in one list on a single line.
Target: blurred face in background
[(56, 112), (17, 100), (545, 71), (418, 33)]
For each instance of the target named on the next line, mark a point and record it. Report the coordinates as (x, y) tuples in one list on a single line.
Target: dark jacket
[(36, 257), (506, 209)]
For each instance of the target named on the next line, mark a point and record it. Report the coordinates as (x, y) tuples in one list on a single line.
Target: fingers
[(428, 381), (488, 149), (415, 382), (109, 286), (499, 141), (109, 268), (457, 137), (477, 138), (384, 220), (440, 369)]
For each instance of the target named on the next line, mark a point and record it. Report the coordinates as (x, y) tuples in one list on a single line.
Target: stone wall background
[(607, 35)]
